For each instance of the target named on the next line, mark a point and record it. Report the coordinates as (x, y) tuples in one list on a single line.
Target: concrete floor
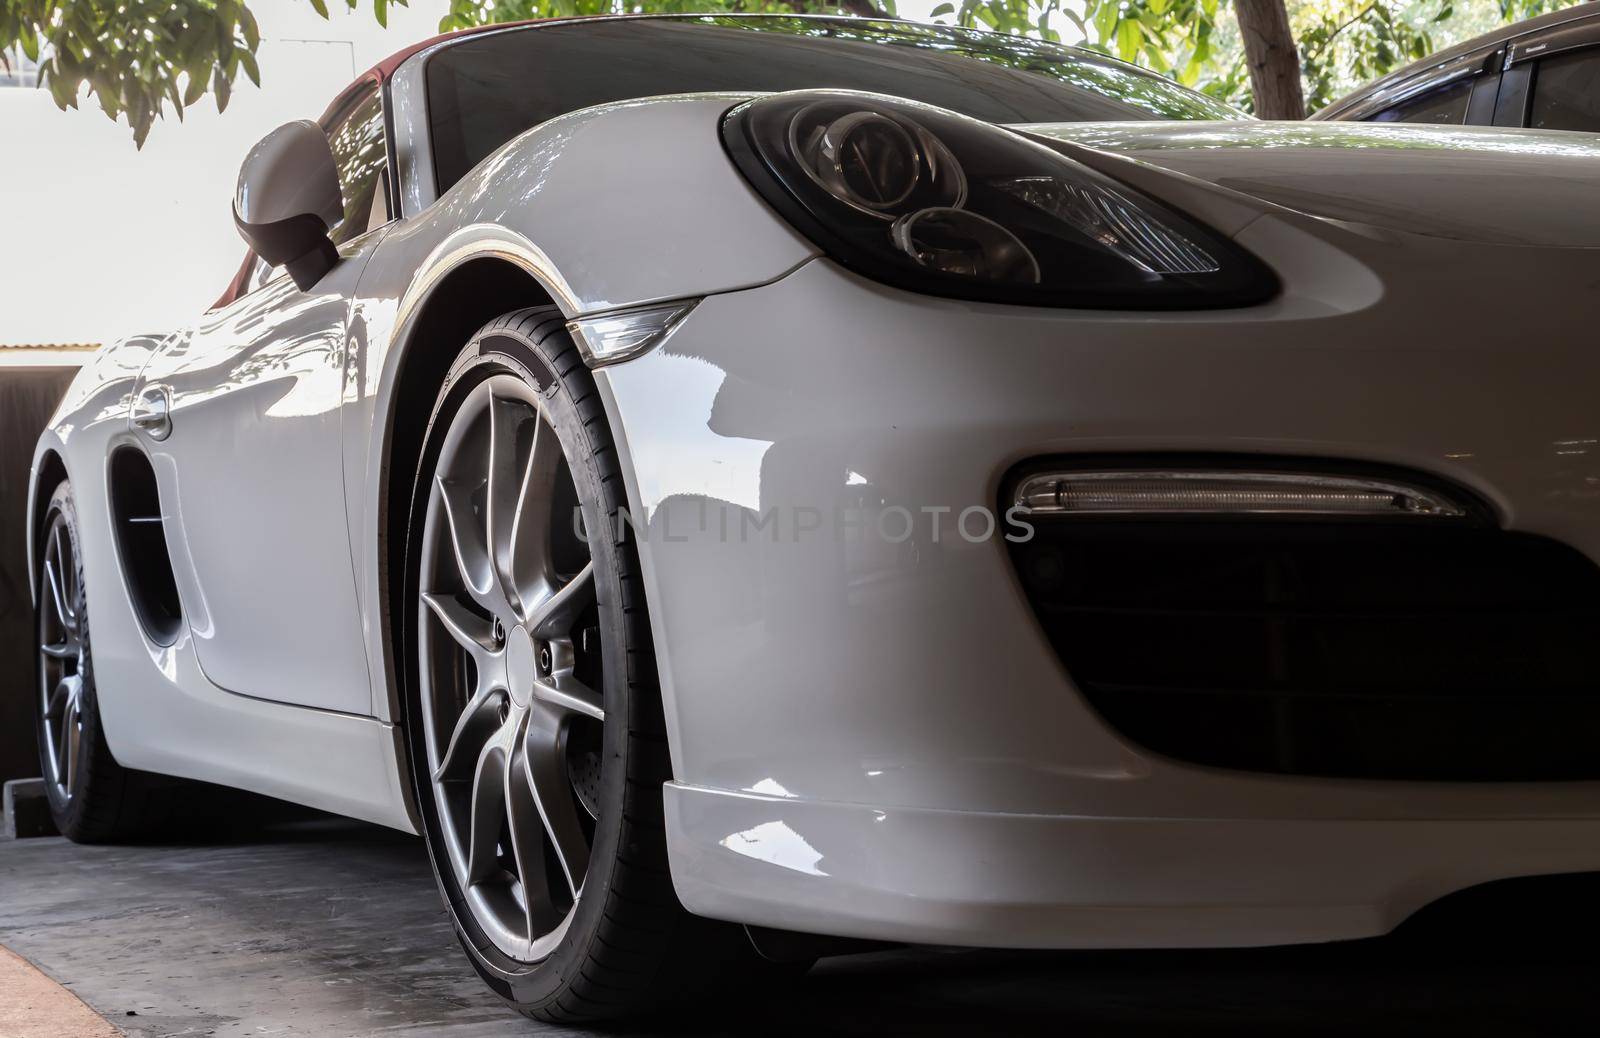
[(329, 928)]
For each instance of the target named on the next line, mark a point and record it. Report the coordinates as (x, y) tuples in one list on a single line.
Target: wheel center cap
[(522, 665)]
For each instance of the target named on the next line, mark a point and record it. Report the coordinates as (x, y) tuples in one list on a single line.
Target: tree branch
[(1328, 40)]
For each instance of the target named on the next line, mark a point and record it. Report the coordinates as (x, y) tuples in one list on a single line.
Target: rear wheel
[(535, 727), (92, 797)]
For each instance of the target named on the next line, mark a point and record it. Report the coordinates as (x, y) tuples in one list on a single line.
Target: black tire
[(630, 944), (103, 801)]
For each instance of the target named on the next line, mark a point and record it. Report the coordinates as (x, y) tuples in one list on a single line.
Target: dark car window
[(1445, 105), (1566, 92), (356, 137), (486, 90)]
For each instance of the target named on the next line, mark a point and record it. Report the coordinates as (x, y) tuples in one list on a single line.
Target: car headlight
[(932, 201)]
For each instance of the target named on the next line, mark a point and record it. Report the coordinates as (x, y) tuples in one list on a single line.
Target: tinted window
[(356, 138), (1566, 92), (486, 90), (1445, 105)]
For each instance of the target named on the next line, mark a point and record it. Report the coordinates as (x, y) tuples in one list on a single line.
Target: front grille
[(1414, 650)]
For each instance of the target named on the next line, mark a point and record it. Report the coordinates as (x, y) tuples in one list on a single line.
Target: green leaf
[(942, 10), (195, 89), (1129, 39), (380, 8), (222, 88), (30, 45), (190, 41), (320, 6), (222, 25), (1105, 18), (251, 69)]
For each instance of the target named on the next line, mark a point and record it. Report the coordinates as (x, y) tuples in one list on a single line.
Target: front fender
[(612, 206), (609, 207), (94, 407)]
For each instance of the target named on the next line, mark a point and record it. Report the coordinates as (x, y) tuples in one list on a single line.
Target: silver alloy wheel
[(61, 664), (501, 638)]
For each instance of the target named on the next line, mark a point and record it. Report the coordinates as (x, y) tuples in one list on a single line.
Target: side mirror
[(288, 198)]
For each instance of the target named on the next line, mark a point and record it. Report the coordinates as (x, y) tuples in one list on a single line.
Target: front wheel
[(535, 727)]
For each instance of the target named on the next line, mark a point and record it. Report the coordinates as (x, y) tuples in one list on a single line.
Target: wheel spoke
[(473, 731), (471, 631), (507, 480), (74, 742), (57, 596), (66, 743), (556, 615), (529, 569), (62, 587), (64, 650), (488, 802), (62, 696), (552, 794), (523, 823), (568, 694), (467, 535)]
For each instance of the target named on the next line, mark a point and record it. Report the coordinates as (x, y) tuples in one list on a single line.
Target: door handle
[(152, 412)]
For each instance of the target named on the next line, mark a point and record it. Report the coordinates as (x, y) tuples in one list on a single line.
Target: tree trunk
[(1273, 59)]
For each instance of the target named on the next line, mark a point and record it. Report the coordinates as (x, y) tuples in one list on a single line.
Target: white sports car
[(855, 479)]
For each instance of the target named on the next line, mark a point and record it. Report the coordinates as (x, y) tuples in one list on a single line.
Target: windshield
[(487, 89)]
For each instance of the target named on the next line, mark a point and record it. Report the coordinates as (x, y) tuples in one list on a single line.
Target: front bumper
[(995, 879), (870, 735)]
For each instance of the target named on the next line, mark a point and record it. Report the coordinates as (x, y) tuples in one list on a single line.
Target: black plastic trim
[(1574, 35), (299, 243), (140, 534), (1399, 650)]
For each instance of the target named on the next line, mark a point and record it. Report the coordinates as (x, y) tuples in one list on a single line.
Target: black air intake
[(1401, 649)]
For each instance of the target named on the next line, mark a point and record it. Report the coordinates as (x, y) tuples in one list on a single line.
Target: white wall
[(101, 240)]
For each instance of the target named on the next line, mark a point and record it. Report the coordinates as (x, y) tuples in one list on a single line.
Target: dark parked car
[(1542, 73)]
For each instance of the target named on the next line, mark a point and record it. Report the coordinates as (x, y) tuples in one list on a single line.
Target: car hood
[(1470, 183)]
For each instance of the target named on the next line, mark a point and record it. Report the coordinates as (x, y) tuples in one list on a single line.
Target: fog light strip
[(1168, 492)]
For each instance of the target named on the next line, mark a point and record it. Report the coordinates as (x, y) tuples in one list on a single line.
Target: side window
[(357, 140), (1446, 105), (1566, 92)]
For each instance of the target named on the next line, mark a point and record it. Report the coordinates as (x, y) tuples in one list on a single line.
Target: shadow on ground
[(306, 925)]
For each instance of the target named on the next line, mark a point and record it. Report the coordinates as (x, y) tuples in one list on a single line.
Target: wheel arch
[(49, 471)]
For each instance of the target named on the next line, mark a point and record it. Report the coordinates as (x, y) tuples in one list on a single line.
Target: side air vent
[(142, 544)]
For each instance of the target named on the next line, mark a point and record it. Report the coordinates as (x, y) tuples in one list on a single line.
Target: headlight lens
[(960, 242), (929, 200)]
